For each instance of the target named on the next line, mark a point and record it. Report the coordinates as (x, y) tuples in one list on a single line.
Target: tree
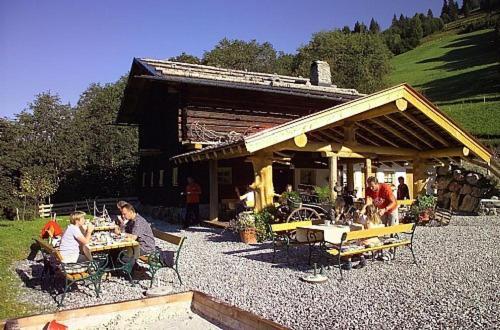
[(445, 12), (453, 10), (242, 55), (10, 163), (346, 29), (466, 8), (357, 60), (374, 26), (185, 58), (359, 27), (285, 64), (430, 14)]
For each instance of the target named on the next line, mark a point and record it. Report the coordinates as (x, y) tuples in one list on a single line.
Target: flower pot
[(248, 236), (423, 216)]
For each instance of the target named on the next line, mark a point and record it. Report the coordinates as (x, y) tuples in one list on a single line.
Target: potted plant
[(244, 224), (423, 208)]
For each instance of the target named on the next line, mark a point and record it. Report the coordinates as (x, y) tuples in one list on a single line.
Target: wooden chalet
[(230, 128)]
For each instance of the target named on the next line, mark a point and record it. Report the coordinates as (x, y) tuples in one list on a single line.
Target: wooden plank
[(214, 190), (289, 225), (173, 239), (377, 232), (433, 113)]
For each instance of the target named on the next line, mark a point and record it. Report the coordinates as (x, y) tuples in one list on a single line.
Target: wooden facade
[(251, 128)]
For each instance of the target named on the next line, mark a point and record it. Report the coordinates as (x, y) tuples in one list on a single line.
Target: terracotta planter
[(248, 236), (424, 216)]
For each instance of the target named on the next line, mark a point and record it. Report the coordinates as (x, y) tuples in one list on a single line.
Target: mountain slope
[(461, 74)]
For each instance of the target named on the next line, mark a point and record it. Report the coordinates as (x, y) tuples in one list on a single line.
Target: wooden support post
[(350, 176), (332, 165), (214, 189), (368, 171), (263, 185), (419, 177)]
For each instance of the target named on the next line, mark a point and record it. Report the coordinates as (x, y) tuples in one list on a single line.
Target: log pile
[(461, 190)]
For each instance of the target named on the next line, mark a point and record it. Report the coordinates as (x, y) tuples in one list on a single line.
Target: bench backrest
[(277, 227), (49, 249), (376, 232), (173, 239)]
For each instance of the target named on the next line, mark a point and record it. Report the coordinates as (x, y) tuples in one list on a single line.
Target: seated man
[(138, 229), (73, 238)]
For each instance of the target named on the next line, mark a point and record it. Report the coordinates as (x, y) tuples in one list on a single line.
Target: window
[(389, 177), (144, 179), (152, 179), (225, 175), (175, 179), (307, 176), (160, 179)]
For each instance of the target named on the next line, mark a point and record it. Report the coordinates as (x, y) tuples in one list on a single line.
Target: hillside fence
[(44, 210)]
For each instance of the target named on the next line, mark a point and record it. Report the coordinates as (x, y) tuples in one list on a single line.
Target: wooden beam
[(350, 133), (419, 177), (322, 119), (214, 190), (350, 176), (300, 140), (368, 171), (377, 134), (395, 133), (263, 183), (383, 110), (448, 152), (405, 128), (332, 166), (447, 124), (425, 129), (329, 134)]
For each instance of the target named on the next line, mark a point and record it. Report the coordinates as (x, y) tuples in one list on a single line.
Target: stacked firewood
[(461, 190)]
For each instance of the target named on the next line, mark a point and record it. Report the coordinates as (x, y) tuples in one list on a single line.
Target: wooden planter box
[(208, 310)]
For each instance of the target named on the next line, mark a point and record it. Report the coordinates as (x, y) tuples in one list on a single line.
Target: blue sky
[(63, 46)]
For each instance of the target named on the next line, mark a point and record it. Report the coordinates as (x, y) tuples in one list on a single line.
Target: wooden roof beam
[(405, 128), (397, 106), (434, 135), (395, 133), (377, 134)]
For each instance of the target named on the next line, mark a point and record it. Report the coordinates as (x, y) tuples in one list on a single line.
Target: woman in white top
[(73, 238)]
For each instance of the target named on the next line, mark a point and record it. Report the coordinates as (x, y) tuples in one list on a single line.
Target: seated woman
[(247, 200), (73, 238)]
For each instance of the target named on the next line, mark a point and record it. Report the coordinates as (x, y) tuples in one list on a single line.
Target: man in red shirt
[(193, 192), (380, 195)]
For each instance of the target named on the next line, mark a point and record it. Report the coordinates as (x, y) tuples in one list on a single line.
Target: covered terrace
[(396, 125)]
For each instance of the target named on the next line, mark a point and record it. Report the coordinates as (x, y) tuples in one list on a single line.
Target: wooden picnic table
[(107, 227), (326, 233), (116, 244)]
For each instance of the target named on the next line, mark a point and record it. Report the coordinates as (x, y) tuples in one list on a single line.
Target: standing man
[(380, 195), (193, 192), (403, 191)]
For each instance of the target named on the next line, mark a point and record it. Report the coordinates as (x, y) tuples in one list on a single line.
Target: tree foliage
[(357, 60)]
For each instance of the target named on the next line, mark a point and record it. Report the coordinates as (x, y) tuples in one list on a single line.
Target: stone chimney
[(320, 74)]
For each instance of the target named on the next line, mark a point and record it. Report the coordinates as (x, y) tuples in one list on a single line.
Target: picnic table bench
[(164, 258), (347, 249), (53, 262)]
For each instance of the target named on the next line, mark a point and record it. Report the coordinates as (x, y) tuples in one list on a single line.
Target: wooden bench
[(156, 261), (72, 272), (283, 235), (346, 250)]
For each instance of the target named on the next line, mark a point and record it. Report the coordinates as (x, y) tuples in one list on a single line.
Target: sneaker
[(347, 265)]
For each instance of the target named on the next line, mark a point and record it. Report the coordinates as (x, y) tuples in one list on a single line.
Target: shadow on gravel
[(222, 237), (34, 280)]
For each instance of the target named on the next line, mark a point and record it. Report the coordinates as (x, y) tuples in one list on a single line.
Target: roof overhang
[(394, 124)]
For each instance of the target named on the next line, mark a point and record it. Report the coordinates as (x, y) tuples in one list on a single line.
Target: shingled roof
[(210, 75)]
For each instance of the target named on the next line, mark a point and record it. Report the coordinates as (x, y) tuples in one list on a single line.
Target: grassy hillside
[(461, 74)]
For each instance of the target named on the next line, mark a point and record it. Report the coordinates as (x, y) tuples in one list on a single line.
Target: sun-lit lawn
[(15, 240), (461, 74)]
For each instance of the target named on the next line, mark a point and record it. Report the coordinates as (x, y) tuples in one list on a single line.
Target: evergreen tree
[(346, 29), (359, 27), (445, 12), (374, 26), (430, 14), (185, 58), (453, 10)]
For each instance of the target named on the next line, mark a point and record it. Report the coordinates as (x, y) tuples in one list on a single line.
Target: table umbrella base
[(318, 278)]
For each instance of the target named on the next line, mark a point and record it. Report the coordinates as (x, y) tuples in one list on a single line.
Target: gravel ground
[(454, 286)]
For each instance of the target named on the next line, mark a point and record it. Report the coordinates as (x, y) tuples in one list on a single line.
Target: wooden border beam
[(377, 134), (425, 129), (405, 128)]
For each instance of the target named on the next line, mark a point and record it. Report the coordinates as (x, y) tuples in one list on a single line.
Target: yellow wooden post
[(350, 176), (368, 171), (332, 165), (263, 185), (214, 190), (419, 177)]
